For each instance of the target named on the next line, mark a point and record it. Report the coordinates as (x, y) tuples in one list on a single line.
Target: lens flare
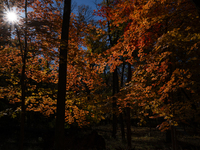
[(11, 16)]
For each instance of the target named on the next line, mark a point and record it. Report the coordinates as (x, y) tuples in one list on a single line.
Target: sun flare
[(11, 16)]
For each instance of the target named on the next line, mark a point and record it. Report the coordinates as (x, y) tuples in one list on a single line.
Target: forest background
[(138, 58)]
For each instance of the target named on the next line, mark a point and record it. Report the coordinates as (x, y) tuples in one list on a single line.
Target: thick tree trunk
[(60, 115)]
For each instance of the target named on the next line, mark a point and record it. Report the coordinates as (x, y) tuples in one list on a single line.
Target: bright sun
[(11, 16)]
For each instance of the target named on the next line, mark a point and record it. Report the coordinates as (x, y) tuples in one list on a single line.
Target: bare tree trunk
[(60, 115)]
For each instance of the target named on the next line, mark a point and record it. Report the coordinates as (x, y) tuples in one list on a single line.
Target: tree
[(60, 113), (81, 75), (155, 35), (23, 53), (115, 34), (44, 24), (5, 30)]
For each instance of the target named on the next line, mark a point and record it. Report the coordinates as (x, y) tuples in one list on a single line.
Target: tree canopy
[(156, 42)]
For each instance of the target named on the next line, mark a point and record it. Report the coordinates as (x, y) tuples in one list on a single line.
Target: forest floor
[(145, 139), (142, 139)]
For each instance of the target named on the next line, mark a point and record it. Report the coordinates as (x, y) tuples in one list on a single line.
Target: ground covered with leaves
[(143, 138)]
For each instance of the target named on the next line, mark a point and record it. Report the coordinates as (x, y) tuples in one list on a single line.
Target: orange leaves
[(159, 44), (113, 62), (155, 37), (9, 58), (41, 102), (44, 30), (164, 126)]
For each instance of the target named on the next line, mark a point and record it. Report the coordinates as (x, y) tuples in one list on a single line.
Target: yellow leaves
[(74, 114), (168, 117), (188, 28), (189, 75)]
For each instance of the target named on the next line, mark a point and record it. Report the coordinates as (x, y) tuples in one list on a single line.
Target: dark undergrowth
[(84, 139), (144, 138)]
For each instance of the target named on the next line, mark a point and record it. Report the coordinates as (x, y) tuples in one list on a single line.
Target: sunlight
[(11, 16)]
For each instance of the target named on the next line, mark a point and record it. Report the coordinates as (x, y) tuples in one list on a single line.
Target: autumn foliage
[(159, 39)]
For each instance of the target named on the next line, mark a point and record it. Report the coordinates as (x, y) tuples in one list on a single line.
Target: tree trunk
[(23, 84), (168, 136), (173, 130), (114, 105), (197, 4), (121, 114), (115, 87), (128, 116), (60, 115), (174, 140), (122, 126)]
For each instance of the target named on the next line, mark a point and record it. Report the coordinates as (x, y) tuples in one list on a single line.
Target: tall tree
[(23, 76), (149, 36), (5, 30), (147, 82), (44, 26), (60, 113)]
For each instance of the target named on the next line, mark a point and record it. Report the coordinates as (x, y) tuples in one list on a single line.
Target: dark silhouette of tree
[(60, 116)]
